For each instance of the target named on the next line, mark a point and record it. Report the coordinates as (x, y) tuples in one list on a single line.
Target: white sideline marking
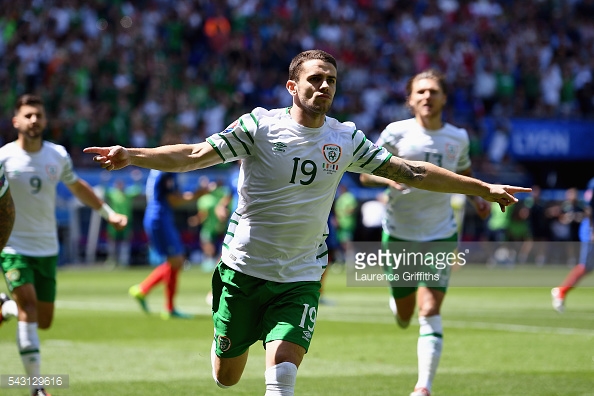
[(336, 317)]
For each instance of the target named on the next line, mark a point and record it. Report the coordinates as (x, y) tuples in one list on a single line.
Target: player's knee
[(44, 325), (224, 382)]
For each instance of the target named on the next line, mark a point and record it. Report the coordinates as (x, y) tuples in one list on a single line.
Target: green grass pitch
[(497, 341)]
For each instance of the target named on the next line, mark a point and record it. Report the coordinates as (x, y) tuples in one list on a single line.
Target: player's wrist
[(106, 211)]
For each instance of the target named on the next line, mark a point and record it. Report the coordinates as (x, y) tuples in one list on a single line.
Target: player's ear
[(292, 87)]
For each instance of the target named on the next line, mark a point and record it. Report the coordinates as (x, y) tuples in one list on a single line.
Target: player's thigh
[(44, 269), (165, 239), (237, 311), (292, 313), (17, 270)]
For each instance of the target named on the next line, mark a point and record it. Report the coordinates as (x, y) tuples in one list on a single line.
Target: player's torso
[(33, 178), (442, 148), (158, 186), (302, 166)]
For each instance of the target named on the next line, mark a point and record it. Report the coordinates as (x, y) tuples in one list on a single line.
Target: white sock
[(280, 379), (9, 309), (28, 344), (213, 355), (429, 349)]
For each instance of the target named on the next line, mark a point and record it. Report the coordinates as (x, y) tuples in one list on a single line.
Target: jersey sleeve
[(464, 161), (3, 181), (367, 156), (68, 175), (388, 139), (237, 141)]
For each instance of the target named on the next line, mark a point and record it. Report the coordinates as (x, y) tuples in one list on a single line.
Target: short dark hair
[(433, 74), (27, 100), (295, 67)]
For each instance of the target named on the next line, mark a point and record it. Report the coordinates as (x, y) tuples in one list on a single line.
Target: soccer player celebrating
[(34, 168), (267, 283), (426, 137)]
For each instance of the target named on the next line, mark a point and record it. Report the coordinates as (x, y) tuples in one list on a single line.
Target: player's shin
[(280, 379)]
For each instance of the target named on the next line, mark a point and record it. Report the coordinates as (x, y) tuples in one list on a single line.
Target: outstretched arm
[(83, 191), (7, 214), (170, 158), (427, 176)]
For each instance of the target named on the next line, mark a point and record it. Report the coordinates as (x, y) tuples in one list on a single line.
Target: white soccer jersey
[(420, 215), (289, 175), (33, 181), (3, 181)]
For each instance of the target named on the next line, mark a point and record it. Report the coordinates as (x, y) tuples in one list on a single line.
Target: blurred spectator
[(121, 198)]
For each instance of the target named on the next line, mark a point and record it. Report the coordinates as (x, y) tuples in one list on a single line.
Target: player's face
[(427, 98), (30, 121), (316, 86)]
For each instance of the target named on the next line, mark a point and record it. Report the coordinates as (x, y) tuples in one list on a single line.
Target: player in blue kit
[(267, 284), (162, 196)]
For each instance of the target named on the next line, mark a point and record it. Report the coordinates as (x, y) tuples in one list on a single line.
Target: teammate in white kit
[(34, 168), (266, 286), (426, 137)]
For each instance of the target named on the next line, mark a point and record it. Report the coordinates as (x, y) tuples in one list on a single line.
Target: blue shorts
[(164, 238)]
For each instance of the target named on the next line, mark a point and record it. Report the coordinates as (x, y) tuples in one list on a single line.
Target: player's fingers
[(94, 149), (515, 189)]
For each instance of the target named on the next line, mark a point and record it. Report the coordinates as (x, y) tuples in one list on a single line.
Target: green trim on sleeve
[(372, 157), (214, 146), (242, 143), (390, 155), (242, 124), (360, 145), (228, 144)]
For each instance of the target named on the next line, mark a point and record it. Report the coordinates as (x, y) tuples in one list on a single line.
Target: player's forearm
[(84, 192), (373, 181), (174, 158), (427, 176), (7, 214)]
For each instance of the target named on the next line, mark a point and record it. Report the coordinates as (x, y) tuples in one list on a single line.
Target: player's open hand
[(110, 158), (504, 195), (118, 221)]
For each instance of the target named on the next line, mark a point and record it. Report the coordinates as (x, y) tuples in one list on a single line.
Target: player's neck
[(430, 123), (29, 145), (305, 118)]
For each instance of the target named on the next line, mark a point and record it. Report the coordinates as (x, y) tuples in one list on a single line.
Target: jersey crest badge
[(224, 343), (13, 275), (332, 152), (52, 172), (451, 151)]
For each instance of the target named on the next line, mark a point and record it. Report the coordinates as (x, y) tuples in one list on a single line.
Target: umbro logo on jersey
[(307, 335), (279, 146)]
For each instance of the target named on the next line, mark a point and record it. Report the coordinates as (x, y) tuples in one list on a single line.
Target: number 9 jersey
[(287, 183), (33, 178)]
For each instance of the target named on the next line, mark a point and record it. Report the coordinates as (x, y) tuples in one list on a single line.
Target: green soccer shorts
[(247, 309), (39, 271), (431, 247)]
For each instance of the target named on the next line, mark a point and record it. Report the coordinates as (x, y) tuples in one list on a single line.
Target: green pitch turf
[(498, 341)]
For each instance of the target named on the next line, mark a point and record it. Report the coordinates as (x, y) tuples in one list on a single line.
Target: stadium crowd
[(125, 71)]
